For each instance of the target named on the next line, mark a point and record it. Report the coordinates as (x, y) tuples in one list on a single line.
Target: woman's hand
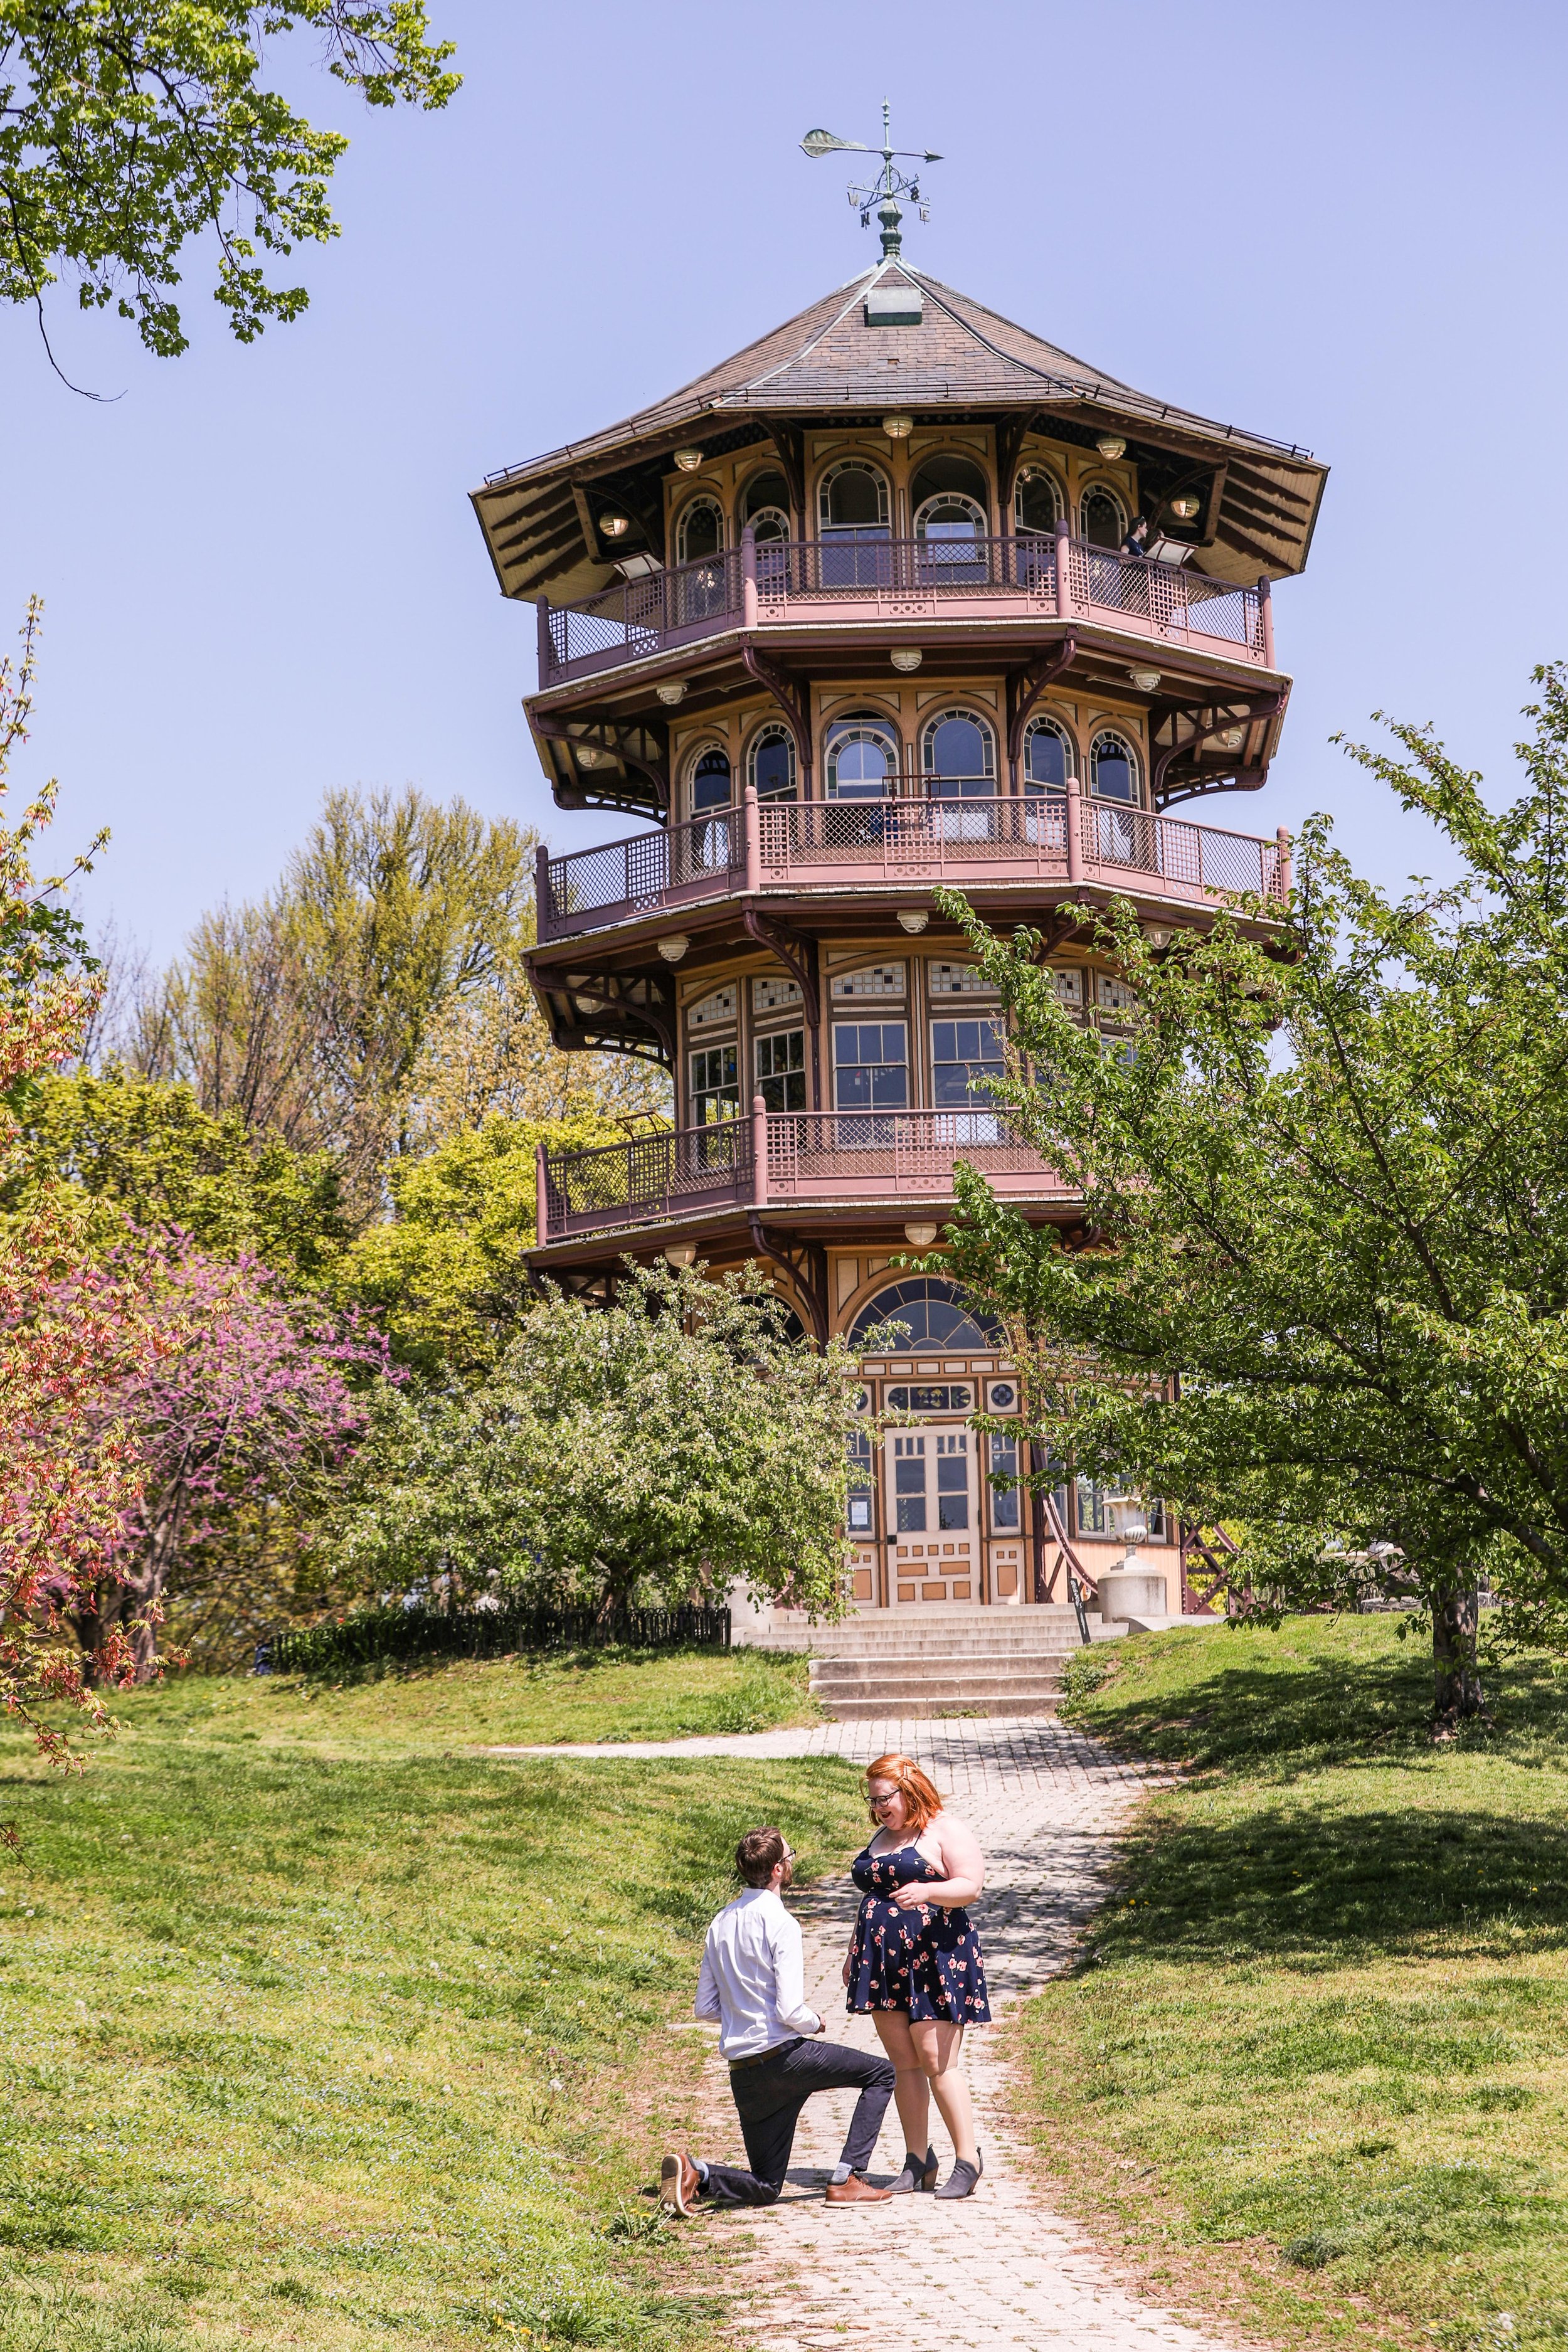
[(912, 1898), (847, 1968)]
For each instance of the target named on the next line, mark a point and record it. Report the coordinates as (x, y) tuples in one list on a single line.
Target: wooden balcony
[(868, 1160), (793, 582), (800, 847)]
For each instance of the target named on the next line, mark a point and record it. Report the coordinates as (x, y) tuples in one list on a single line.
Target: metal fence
[(400, 1636), (640, 617), (651, 1177), (650, 870), (916, 1146)]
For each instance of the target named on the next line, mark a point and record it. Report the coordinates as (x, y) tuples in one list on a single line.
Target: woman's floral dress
[(926, 1960)]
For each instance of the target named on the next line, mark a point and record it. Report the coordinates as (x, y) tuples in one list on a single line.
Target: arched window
[(711, 781), (1047, 757), (958, 756), (1037, 501), (764, 505), (950, 497), (852, 515), (771, 763), (1103, 518), (862, 757), (948, 476), (1113, 768), (700, 532), (936, 1315)]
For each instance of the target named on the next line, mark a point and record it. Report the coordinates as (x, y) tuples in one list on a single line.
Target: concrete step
[(950, 1652), (847, 1673), (961, 1690), (925, 1707)]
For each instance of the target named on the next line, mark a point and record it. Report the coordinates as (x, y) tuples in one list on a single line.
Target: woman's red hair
[(921, 1794)]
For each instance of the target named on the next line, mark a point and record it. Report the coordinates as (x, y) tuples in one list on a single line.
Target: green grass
[(318, 2030), (1317, 2055)]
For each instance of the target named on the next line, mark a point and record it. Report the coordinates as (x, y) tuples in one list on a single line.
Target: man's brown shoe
[(856, 2191), (679, 2184)]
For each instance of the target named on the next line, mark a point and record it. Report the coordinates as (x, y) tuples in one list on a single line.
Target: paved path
[(1000, 2273)]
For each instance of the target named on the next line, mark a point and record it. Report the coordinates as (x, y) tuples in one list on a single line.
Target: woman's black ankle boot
[(919, 2172)]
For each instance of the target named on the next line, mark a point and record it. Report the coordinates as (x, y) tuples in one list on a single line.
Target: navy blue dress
[(927, 1960)]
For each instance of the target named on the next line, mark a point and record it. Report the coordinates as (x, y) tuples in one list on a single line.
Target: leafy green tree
[(128, 127), (150, 1155), (445, 1276), (671, 1443), (1325, 1186)]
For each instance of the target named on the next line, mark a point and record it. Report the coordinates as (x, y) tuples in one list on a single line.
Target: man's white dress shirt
[(754, 1977)]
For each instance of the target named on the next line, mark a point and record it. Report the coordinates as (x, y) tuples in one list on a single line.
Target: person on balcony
[(1136, 540)]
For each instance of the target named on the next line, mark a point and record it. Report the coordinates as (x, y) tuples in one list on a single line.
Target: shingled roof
[(829, 360)]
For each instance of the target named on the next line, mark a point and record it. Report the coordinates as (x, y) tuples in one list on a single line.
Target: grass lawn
[(319, 2030), (1316, 2061)]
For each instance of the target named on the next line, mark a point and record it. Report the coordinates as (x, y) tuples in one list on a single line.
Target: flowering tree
[(68, 1473), (254, 1396)]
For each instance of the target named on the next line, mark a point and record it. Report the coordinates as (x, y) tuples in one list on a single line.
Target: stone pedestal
[(1131, 1591)]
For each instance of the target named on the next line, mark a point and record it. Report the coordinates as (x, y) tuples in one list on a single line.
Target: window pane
[(854, 497), (781, 1070), (1046, 761), (962, 1051), (953, 1483), (711, 782), (870, 1066), (1007, 1502), (1103, 523), (773, 768), (1114, 779), (957, 747), (715, 1085), (1035, 503)]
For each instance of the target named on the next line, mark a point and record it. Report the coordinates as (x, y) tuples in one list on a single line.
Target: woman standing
[(914, 1962)]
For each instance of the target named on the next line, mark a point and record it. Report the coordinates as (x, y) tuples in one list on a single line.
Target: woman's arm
[(960, 1859)]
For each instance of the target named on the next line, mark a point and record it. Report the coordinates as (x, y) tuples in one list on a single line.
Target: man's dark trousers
[(769, 2097)]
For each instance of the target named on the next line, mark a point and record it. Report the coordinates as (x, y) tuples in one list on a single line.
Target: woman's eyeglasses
[(880, 1803)]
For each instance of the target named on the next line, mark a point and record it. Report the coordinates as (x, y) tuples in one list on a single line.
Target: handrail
[(923, 839), (758, 585)]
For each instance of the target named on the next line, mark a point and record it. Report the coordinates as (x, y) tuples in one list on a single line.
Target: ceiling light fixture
[(1145, 680), (689, 461), (1185, 508), (680, 1253), (920, 1236), (897, 428), (1111, 446), (674, 948), (914, 921), (672, 691), (908, 658), (613, 526)]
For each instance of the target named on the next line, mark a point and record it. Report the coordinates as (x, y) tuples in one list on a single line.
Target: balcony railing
[(812, 581), (796, 845), (869, 1156)]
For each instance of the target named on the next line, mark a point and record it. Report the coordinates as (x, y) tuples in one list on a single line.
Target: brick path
[(999, 2273)]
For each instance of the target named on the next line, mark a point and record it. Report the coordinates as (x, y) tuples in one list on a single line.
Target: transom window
[(950, 478), (871, 980), (773, 995), (958, 980), (1113, 768), (936, 1314), (772, 765), (700, 530), (964, 1056), (1047, 757), (870, 1066), (711, 781), (853, 499), (715, 1085), (862, 757), (958, 754), (781, 1069), (712, 1010), (1037, 501), (1103, 516)]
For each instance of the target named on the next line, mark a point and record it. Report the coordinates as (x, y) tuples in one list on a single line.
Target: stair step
[(925, 1709)]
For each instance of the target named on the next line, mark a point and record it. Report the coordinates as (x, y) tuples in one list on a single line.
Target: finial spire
[(888, 185)]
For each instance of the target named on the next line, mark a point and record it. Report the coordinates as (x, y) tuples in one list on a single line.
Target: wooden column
[(540, 1195), (1066, 607), (759, 1151), (1282, 870), (1266, 615), (752, 822), (1075, 827), (749, 576)]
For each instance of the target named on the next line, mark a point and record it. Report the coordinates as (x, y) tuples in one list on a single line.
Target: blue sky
[(1341, 224)]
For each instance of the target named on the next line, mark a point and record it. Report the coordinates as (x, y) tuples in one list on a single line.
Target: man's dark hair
[(758, 1855)]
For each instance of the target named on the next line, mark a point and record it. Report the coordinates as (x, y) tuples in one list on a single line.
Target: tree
[(68, 1327), (128, 127), (445, 1276), (670, 1444), (148, 1155), (1325, 1183), (259, 1394)]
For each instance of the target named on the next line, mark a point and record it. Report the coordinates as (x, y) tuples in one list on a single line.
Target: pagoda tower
[(851, 616)]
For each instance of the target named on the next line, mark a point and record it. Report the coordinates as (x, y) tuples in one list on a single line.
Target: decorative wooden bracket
[(1025, 688), (797, 953), (791, 701), (1209, 720), (805, 1263), (790, 443), (1011, 434), (605, 735)]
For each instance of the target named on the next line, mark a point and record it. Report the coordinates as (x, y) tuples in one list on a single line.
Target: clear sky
[(1340, 224)]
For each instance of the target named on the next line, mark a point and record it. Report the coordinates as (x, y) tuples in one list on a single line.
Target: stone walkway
[(1000, 2273)]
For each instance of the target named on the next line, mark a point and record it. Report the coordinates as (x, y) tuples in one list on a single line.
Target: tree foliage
[(130, 127), (672, 1443), (1326, 1195)]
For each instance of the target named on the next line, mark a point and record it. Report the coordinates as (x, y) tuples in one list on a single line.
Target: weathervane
[(888, 184)]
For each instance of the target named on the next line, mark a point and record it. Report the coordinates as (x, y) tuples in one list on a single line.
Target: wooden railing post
[(544, 904), (749, 576), (1266, 616), (1074, 827), (751, 821), (1066, 606), (546, 650), (759, 1151), (540, 1195), (1282, 865)]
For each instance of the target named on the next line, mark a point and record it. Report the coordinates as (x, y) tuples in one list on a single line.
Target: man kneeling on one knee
[(753, 1983)]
